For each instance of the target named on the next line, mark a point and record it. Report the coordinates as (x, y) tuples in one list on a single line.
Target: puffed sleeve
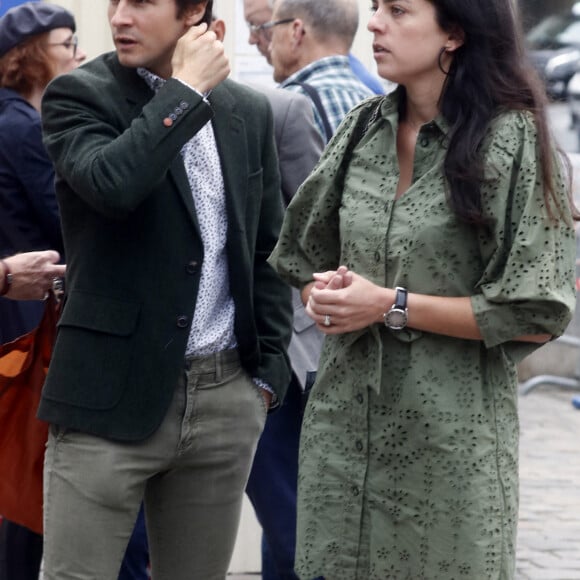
[(309, 241), (528, 283)]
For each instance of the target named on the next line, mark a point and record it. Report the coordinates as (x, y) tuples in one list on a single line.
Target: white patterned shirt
[(212, 329)]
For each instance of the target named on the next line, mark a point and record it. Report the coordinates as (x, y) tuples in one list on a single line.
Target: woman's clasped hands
[(342, 301)]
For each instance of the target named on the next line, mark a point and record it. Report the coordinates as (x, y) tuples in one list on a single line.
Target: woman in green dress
[(434, 245)]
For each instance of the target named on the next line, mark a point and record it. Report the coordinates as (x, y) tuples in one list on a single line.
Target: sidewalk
[(549, 525)]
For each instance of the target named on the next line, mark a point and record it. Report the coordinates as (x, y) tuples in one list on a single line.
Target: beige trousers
[(191, 475)]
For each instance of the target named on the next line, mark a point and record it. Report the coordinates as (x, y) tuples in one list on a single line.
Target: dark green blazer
[(133, 247)]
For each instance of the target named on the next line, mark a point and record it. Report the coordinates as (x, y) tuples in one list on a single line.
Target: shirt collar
[(153, 81), (390, 112), (320, 66)]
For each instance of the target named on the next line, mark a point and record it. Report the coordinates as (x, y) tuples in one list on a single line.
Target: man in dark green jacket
[(172, 341)]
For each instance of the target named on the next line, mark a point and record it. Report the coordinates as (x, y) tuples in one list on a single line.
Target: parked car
[(554, 48), (573, 96)]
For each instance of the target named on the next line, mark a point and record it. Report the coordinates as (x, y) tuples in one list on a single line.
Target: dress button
[(183, 105), (173, 117), (167, 122), (182, 321), (359, 446), (178, 111), (192, 267)]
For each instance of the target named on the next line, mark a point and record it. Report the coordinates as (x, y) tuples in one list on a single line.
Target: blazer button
[(192, 267), (182, 321)]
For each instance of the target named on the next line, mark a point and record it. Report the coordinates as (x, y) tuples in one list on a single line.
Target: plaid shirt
[(338, 87)]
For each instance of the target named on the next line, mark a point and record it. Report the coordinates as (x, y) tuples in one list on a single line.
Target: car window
[(555, 32), (570, 34)]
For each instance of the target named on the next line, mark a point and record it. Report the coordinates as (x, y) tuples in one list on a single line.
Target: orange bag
[(23, 367)]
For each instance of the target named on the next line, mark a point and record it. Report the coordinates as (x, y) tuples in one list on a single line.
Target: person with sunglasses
[(37, 42)]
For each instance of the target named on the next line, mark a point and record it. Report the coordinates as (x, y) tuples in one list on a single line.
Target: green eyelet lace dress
[(409, 451)]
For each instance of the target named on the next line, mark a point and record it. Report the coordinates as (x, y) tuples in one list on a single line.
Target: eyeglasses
[(68, 44), (257, 28)]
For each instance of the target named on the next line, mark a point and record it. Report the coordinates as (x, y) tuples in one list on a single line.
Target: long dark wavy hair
[(490, 72)]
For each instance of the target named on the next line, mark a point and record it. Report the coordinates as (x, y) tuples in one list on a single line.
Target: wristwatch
[(396, 317)]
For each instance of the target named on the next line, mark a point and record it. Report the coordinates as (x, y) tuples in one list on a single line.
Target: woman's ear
[(455, 40)]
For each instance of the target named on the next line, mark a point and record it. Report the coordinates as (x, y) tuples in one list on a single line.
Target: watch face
[(396, 319)]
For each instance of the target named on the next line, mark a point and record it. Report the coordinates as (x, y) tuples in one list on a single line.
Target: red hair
[(27, 66)]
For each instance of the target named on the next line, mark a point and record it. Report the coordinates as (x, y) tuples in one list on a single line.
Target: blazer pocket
[(254, 192), (255, 182), (94, 351)]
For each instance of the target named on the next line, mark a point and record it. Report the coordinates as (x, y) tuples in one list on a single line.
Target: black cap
[(29, 19)]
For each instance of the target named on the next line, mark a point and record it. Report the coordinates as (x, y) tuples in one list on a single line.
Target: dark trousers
[(272, 486), (20, 552), (136, 561)]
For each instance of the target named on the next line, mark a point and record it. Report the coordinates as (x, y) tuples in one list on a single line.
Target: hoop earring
[(439, 63)]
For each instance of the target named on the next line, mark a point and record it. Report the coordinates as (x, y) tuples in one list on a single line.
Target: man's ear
[(298, 31), (194, 14), (219, 27)]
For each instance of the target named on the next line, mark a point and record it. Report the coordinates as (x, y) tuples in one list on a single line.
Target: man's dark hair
[(183, 5)]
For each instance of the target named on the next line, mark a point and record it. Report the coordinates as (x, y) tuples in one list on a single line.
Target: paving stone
[(548, 545)]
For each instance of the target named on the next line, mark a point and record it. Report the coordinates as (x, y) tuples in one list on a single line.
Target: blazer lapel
[(179, 176)]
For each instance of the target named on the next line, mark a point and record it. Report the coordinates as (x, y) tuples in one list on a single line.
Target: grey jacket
[(299, 145)]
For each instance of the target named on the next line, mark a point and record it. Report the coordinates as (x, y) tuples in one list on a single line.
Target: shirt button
[(355, 490), (360, 398), (424, 142), (167, 122), (182, 321), (192, 267), (377, 256), (359, 446)]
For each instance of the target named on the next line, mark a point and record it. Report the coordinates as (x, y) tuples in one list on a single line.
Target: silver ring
[(327, 320)]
